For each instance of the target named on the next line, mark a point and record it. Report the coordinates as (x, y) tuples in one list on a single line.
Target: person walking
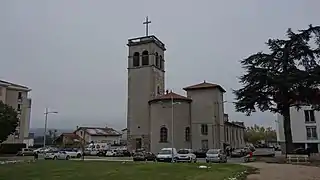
[(35, 155)]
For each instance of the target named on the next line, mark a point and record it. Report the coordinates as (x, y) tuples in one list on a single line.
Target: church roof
[(169, 96), (204, 85)]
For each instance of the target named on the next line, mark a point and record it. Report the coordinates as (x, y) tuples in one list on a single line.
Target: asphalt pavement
[(128, 159)]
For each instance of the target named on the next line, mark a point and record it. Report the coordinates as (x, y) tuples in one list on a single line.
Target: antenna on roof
[(204, 81)]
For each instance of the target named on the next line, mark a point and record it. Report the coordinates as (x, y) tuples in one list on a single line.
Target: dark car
[(201, 153), (102, 153), (139, 156), (238, 153), (149, 156), (126, 153), (301, 151)]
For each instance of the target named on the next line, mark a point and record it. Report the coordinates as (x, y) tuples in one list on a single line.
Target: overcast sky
[(73, 54)]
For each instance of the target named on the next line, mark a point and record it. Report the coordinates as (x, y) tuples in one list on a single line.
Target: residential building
[(98, 135), (234, 133), (124, 134), (305, 128), (17, 96), (68, 140)]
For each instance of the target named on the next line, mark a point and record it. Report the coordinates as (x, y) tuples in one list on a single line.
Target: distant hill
[(40, 131)]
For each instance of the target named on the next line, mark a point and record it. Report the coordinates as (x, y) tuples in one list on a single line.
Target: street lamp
[(172, 126), (217, 123), (45, 124)]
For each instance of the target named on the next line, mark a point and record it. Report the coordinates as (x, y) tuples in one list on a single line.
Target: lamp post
[(217, 121), (172, 126), (45, 124)]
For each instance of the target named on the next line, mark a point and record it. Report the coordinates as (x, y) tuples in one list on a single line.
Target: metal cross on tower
[(147, 22)]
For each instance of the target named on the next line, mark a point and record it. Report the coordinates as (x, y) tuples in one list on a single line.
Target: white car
[(111, 153), (73, 153), (165, 155), (56, 155), (186, 155)]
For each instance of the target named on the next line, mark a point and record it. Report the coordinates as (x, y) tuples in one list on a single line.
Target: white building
[(99, 135), (305, 127)]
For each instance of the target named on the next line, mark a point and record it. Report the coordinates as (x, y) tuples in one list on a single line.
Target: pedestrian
[(35, 155)]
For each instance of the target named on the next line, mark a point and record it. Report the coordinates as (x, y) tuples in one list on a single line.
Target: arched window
[(187, 134), (136, 59), (163, 134), (145, 58), (161, 63), (157, 59)]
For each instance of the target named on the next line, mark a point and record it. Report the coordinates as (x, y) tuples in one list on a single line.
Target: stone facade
[(155, 119), (16, 96)]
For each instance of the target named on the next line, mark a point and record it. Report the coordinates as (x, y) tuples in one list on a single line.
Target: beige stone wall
[(24, 115), (161, 116), (234, 136), (207, 108)]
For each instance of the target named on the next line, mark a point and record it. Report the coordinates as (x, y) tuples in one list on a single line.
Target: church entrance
[(138, 143)]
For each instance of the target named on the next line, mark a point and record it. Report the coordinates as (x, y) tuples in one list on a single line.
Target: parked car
[(73, 153), (111, 153), (186, 155), (301, 151), (264, 152), (56, 155), (216, 155), (238, 153), (165, 155), (25, 152), (126, 153), (150, 156), (139, 156), (201, 153)]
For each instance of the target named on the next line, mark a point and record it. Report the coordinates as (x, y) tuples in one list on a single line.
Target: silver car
[(186, 155), (216, 155), (56, 155)]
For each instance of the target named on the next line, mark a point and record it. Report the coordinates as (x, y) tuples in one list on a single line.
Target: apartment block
[(305, 127), (17, 96)]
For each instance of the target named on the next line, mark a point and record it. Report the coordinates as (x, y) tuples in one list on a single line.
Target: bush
[(11, 148)]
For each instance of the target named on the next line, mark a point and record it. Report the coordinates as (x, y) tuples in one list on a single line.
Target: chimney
[(167, 91)]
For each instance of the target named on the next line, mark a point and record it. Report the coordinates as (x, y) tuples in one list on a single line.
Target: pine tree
[(287, 76)]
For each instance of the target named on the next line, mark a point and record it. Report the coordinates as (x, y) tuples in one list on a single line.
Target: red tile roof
[(204, 85), (170, 96)]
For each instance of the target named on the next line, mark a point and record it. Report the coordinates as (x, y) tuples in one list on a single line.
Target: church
[(158, 118)]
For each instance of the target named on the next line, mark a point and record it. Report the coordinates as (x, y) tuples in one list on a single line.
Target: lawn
[(78, 170)]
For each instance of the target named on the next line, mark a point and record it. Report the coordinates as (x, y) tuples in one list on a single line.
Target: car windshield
[(165, 152), (183, 151), (213, 151)]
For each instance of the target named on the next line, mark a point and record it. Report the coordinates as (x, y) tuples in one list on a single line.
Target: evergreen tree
[(287, 76), (8, 121)]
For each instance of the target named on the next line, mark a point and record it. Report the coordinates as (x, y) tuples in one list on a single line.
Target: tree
[(256, 133), (287, 76), (8, 121)]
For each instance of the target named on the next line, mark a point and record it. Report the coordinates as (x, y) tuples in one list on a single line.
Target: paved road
[(95, 158)]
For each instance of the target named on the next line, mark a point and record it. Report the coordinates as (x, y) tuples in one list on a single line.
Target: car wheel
[(68, 157), (55, 158), (78, 155), (207, 161), (195, 161)]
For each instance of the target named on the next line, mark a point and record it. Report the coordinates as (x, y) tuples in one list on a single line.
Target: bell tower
[(145, 81)]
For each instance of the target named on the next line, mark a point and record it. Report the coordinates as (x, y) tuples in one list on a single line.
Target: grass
[(90, 170)]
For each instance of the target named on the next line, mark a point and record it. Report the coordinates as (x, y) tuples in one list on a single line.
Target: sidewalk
[(269, 171)]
